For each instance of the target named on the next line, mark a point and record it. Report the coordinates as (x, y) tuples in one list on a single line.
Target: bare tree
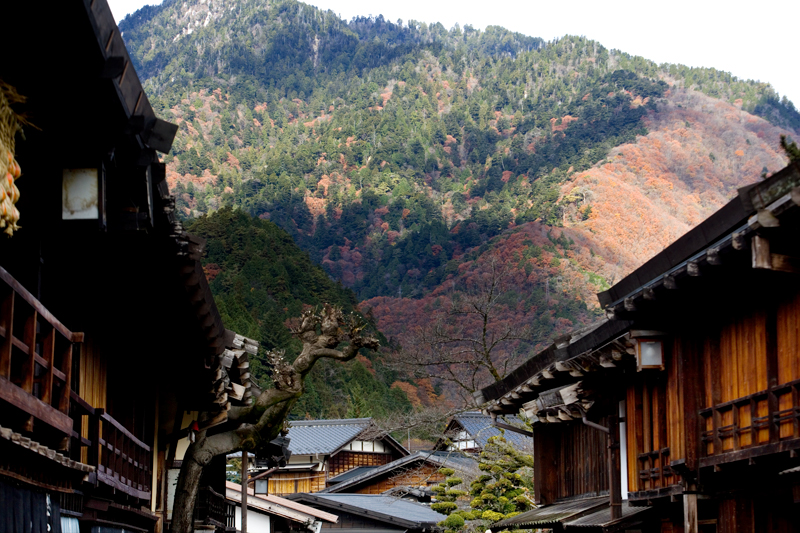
[(468, 344), (322, 333)]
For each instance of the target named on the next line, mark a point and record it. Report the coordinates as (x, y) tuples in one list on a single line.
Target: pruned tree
[(469, 344), (325, 333)]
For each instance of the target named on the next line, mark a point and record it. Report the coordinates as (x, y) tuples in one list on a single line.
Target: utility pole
[(244, 491)]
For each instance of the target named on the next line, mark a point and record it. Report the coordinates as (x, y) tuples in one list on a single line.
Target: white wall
[(256, 522)]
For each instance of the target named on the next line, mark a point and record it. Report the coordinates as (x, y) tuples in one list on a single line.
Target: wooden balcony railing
[(765, 418), (36, 377), (214, 509), (655, 471), (35, 357), (122, 460)]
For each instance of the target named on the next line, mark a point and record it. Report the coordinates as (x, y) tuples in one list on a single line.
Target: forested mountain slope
[(260, 279), (405, 157)]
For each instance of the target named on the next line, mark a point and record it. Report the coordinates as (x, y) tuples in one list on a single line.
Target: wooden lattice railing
[(122, 460), (36, 352), (763, 418), (214, 509), (654, 470), (35, 357)]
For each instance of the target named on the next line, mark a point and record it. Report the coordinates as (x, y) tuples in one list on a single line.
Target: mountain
[(405, 158), (260, 279)]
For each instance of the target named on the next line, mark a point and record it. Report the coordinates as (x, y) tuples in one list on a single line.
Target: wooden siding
[(788, 355), (654, 428), (416, 476), (749, 362), (292, 482), (582, 460), (344, 461), (92, 382)]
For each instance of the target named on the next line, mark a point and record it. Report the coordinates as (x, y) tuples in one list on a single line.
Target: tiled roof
[(479, 426), (379, 507), (309, 437), (451, 459)]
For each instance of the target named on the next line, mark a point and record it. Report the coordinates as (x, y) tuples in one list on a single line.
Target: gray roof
[(553, 514), (479, 426), (378, 507), (309, 437), (602, 518), (352, 473), (452, 460)]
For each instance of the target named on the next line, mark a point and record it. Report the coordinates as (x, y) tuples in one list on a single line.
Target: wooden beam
[(693, 268), (7, 316), (670, 282), (760, 253), (690, 524), (712, 257), (649, 294), (630, 305), (48, 351), (63, 402), (29, 368), (785, 263), (34, 406), (36, 304), (738, 241)]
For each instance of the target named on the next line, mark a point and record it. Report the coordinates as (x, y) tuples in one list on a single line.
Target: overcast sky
[(748, 39)]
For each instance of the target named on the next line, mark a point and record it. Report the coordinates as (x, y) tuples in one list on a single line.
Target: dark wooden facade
[(108, 331), (711, 438)]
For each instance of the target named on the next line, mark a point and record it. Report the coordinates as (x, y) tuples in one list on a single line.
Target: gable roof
[(378, 507), (479, 427), (453, 460), (276, 505), (325, 437)]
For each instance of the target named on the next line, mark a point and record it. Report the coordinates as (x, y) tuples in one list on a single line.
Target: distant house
[(323, 449), (273, 514), (412, 475), (469, 432), (373, 513)]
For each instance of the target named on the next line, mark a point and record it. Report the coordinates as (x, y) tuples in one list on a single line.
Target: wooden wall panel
[(418, 476), (93, 373), (344, 461), (743, 356), (582, 460), (675, 411), (292, 482), (789, 340)]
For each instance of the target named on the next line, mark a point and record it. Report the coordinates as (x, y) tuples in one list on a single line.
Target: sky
[(748, 39)]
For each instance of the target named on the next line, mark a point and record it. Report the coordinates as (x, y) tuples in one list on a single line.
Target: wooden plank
[(105, 417), (63, 402), (29, 369), (48, 351), (760, 253), (34, 406), (7, 318), (771, 328)]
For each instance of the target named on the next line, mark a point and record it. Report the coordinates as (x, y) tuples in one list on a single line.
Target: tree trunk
[(187, 489)]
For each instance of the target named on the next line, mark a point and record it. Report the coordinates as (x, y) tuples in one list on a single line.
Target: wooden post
[(7, 315), (614, 480), (244, 491), (690, 513)]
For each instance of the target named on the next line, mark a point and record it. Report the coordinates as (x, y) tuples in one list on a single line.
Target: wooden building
[(273, 514), (413, 474), (694, 375), (110, 341), (324, 449), (470, 431)]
